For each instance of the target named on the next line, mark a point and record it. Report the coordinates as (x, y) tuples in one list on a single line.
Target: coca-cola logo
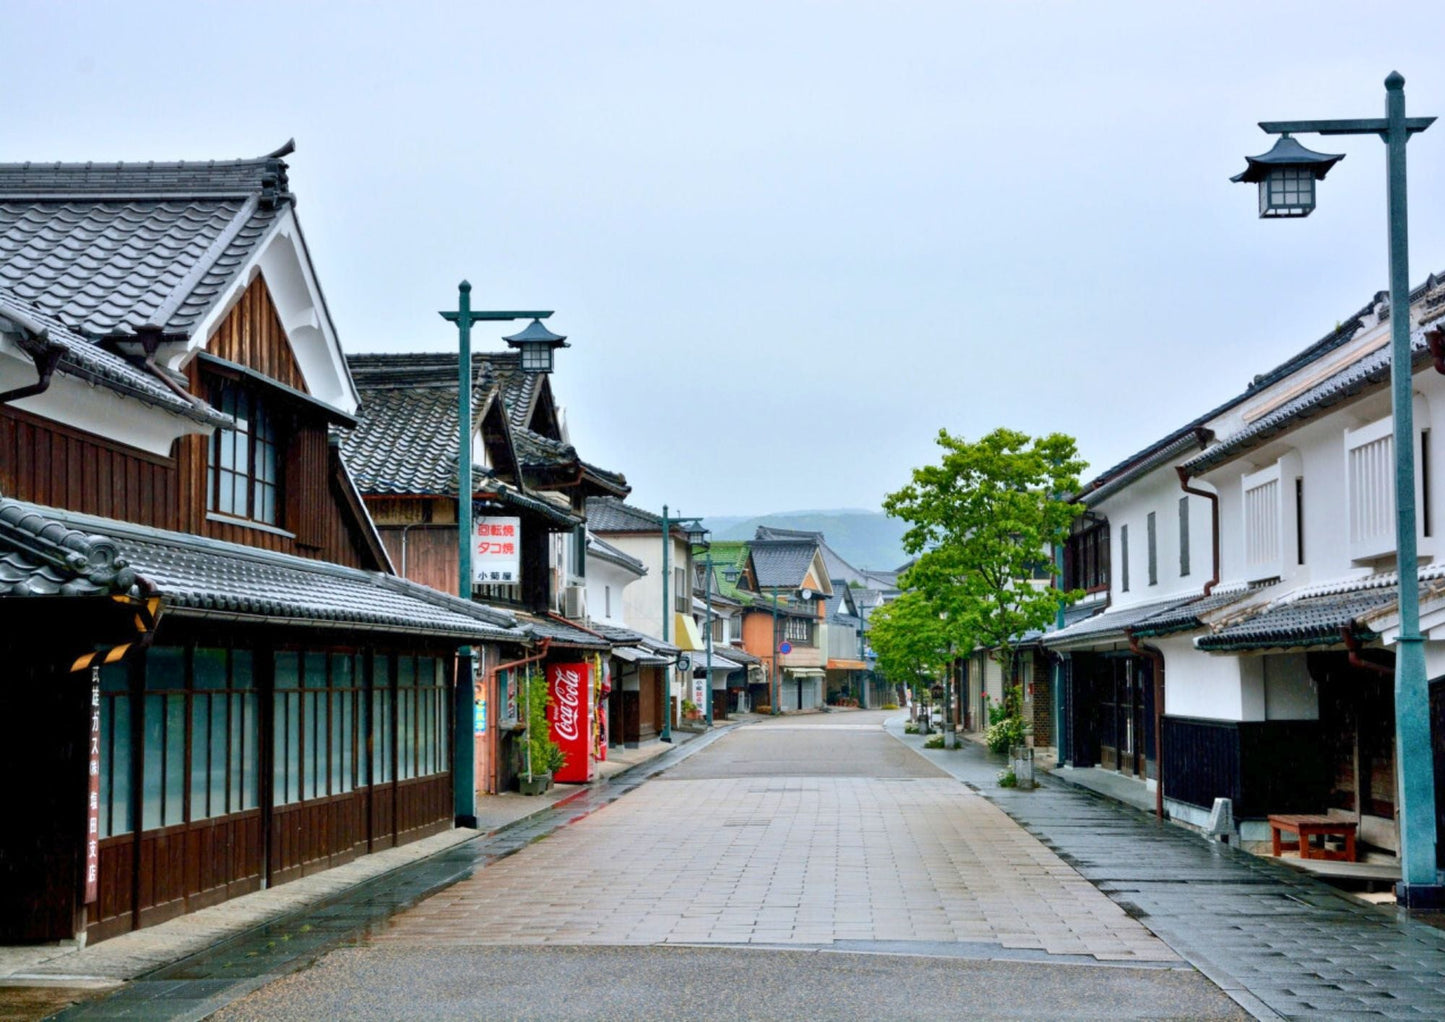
[(567, 694)]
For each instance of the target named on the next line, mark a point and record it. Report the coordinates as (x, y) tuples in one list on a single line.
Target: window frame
[(256, 473)]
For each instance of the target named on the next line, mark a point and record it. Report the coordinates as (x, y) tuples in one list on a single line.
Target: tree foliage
[(982, 522), (910, 640)]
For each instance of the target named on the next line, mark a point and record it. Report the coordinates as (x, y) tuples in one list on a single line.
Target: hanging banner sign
[(497, 551), (92, 813)]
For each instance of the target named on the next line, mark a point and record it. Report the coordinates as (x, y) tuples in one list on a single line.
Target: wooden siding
[(47, 463), (424, 553), (251, 335)]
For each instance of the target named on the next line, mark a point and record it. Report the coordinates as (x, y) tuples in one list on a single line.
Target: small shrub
[(1004, 733), (890, 706), (933, 742), (762, 708), (910, 728), (1007, 779)]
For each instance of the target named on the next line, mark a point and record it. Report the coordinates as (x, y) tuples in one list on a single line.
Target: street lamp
[(464, 739), (1286, 177), (697, 536)]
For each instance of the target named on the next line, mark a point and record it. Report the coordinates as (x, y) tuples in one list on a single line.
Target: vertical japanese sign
[(497, 551), (92, 812)]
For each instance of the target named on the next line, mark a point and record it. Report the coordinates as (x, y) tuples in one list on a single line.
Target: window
[(1152, 540), (1086, 556), (116, 814), (244, 473), (719, 629), (421, 709), (1370, 489), (682, 593), (1183, 537), (1124, 558), (798, 630), (163, 777), (1262, 533), (1299, 521), (225, 733), (607, 601)]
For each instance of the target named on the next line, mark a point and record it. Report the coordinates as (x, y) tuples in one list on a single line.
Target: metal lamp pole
[(775, 691), (464, 738), (1420, 885), (667, 685), (707, 589)]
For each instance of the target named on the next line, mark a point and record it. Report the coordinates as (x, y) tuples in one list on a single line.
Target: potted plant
[(540, 754)]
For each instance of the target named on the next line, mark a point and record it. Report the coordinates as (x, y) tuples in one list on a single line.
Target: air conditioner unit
[(574, 602)]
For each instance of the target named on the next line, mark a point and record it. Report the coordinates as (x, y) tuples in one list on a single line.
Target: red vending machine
[(570, 714)]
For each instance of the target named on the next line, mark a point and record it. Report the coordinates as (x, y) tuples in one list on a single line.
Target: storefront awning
[(638, 655), (687, 634), (846, 665), (803, 672)]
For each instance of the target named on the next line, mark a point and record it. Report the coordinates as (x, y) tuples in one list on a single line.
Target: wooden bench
[(1304, 827)]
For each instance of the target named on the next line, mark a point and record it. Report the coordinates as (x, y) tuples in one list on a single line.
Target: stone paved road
[(1277, 939), (814, 864)]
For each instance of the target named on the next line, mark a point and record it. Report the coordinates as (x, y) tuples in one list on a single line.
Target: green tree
[(983, 522), (910, 640)]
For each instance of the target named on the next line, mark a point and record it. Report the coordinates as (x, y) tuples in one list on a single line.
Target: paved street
[(808, 867)]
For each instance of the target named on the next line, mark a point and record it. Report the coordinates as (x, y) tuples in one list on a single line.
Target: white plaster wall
[(604, 574), (642, 601), (1289, 691), (1200, 684), (1158, 492)]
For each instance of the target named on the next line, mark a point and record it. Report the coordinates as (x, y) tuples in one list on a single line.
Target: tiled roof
[(1370, 372), (1317, 615), (629, 637), (405, 442), (560, 632), (1188, 616), (597, 547), (87, 361), (782, 563), (109, 248), (1112, 623), (609, 514), (197, 576), (41, 556)]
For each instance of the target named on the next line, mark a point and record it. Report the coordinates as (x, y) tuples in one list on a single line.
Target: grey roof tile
[(199, 576), (1311, 621), (561, 633), (782, 563), (87, 361), (112, 247), (1112, 623), (610, 514)]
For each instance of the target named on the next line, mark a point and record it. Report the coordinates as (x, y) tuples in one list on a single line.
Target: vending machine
[(569, 713)]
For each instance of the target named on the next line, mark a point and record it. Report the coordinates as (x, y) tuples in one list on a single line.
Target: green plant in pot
[(540, 755)]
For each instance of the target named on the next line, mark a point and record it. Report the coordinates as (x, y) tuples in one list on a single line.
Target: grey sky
[(789, 241)]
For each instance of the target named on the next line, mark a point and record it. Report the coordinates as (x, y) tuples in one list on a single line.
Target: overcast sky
[(789, 241)]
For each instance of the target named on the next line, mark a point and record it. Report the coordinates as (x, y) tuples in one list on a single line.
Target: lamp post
[(697, 536), (464, 739), (1286, 177), (666, 735), (775, 691)]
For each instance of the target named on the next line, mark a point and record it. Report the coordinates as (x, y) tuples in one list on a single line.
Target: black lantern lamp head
[(1286, 176), (536, 343)]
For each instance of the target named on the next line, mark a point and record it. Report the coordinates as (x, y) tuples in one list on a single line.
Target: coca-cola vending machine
[(570, 714)]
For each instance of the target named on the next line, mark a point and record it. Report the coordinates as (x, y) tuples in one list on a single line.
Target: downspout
[(1347, 633), (543, 645), (1158, 659), (46, 356), (1213, 499), (150, 339)]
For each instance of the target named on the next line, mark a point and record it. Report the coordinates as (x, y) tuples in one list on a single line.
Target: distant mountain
[(865, 539)]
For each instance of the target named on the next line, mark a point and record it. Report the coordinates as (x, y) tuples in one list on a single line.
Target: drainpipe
[(543, 645), (46, 356), (1347, 633), (1213, 499), (150, 340), (1158, 658)]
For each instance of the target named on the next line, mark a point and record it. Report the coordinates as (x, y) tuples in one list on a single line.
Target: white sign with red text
[(497, 551)]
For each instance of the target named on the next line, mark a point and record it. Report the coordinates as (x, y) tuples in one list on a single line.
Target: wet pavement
[(200, 984), (1278, 941)]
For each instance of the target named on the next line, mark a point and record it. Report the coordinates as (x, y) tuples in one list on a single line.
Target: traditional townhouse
[(215, 683), (1270, 684), (529, 487), (787, 623), (659, 606), (633, 674), (746, 684)]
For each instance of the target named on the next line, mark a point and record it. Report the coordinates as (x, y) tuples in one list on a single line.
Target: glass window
[(383, 736), (116, 815), (244, 474), (163, 783), (286, 744)]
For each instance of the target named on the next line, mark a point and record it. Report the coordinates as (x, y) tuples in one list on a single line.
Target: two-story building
[(215, 682)]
